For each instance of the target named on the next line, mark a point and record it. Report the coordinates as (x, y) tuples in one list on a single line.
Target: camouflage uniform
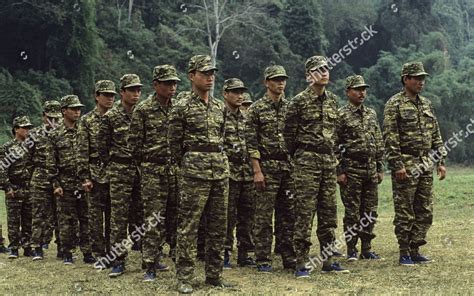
[(91, 168), (196, 139), (149, 143), (241, 208), (360, 144), (411, 133), (16, 174), (310, 135), (72, 206), (44, 214), (265, 142), (121, 169)]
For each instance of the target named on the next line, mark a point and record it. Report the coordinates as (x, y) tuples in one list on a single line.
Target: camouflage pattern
[(355, 81), (413, 69), (232, 84), (70, 101), (15, 176), (310, 134), (130, 80), (179, 98), (165, 73), (264, 134), (204, 185), (72, 206), (149, 142), (274, 71), (91, 168), (411, 133), (105, 86), (247, 99), (241, 207), (315, 62), (360, 158), (22, 121), (52, 109), (122, 172), (201, 63)]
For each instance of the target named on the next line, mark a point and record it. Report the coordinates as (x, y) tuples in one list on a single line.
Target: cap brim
[(53, 114), (420, 74), (277, 75), (132, 85), (74, 106), (25, 125), (207, 68), (318, 67), (170, 78), (234, 88), (108, 92), (359, 85)]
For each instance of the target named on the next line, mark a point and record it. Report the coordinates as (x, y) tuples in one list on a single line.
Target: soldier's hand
[(87, 185), (342, 179), (11, 193), (401, 174), (441, 171), (259, 181), (58, 192), (380, 177)]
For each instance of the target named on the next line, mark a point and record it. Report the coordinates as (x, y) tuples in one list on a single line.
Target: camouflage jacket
[(64, 154), (311, 124), (264, 132), (113, 134), (411, 132), (15, 170), (359, 140), (89, 165), (148, 139), (41, 137), (236, 148), (194, 123)]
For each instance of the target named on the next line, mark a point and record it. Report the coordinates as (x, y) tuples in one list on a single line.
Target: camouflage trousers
[(201, 197), (125, 206), (99, 218), (171, 221), (73, 221), (279, 189), (2, 239), (360, 199), (44, 216), (241, 212), (315, 193), (413, 201), (19, 219)]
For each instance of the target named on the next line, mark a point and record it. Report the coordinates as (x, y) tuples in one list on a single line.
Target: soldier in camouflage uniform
[(310, 133), (15, 178), (71, 200), (91, 171), (241, 209), (246, 102), (360, 167), (412, 140), (121, 168), (196, 131), (149, 143), (272, 171), (44, 214)]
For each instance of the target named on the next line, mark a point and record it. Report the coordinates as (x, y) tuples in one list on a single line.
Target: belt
[(156, 159), (237, 160), (317, 149), (204, 148), (359, 157), (121, 160), (412, 152), (276, 156)]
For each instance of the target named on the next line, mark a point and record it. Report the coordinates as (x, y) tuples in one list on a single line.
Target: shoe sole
[(227, 267), (407, 265), (303, 277), (352, 259), (12, 257), (67, 263), (149, 280), (37, 258), (114, 275), (336, 271)]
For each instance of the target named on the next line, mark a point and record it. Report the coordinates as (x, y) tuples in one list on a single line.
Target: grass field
[(450, 244)]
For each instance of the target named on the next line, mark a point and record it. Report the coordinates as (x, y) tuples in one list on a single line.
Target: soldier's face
[(21, 132), (415, 84), (203, 80), (50, 121), (319, 76), (356, 95), (234, 97), (72, 114), (131, 95), (165, 89), (276, 85), (105, 100)]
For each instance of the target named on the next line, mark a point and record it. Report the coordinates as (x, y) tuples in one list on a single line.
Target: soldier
[(71, 201), (149, 143), (310, 133), (247, 101), (411, 133), (44, 214), (196, 131), (121, 168), (15, 178), (360, 167), (272, 171), (91, 171), (241, 208)]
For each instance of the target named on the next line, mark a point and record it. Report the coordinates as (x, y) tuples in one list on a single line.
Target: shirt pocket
[(428, 119)]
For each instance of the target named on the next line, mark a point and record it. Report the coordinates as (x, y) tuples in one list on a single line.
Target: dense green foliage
[(56, 47)]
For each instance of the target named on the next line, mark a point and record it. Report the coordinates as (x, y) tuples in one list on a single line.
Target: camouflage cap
[(22, 121), (52, 109), (105, 86), (315, 62), (274, 71), (201, 63), (70, 101), (233, 83), (355, 81), (130, 80), (413, 69), (247, 99), (165, 73)]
